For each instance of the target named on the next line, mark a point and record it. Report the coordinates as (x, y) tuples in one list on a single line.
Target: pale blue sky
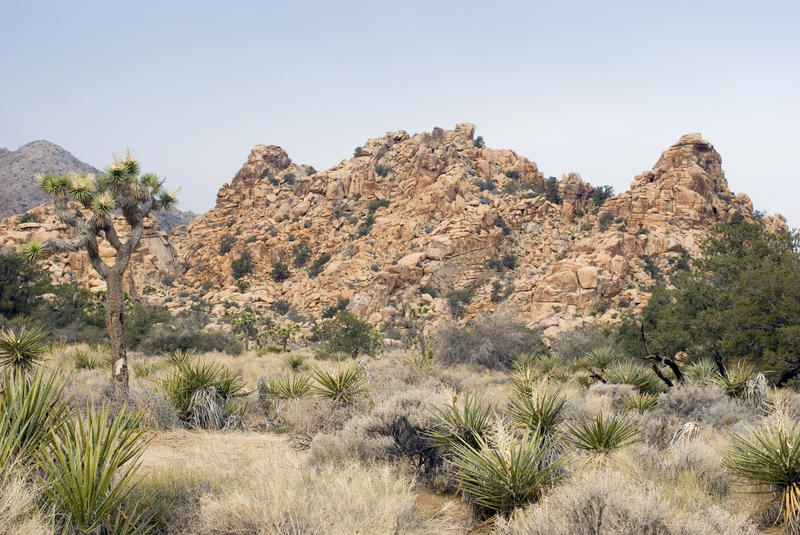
[(594, 87)]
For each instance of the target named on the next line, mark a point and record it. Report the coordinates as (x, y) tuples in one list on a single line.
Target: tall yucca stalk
[(502, 475), (89, 469), (769, 459), (22, 350), (31, 408)]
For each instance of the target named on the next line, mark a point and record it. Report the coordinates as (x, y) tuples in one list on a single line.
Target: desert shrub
[(316, 266), (308, 417), (341, 304), (512, 174), (357, 152), (480, 143), (89, 358), (578, 342), (292, 387), (289, 179), (702, 405), (500, 223), (140, 320), (226, 244), (609, 502), (631, 373), (551, 192), (302, 254), (169, 338), (366, 226), (347, 334), (486, 184), (207, 395), (73, 314), (457, 301), (504, 473), (430, 289), (29, 217), (599, 194), (21, 284), (280, 272), (243, 265), (736, 377), (373, 206), (641, 403), (493, 341), (383, 170), (605, 220)]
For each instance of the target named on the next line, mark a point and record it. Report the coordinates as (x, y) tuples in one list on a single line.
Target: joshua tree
[(91, 217)]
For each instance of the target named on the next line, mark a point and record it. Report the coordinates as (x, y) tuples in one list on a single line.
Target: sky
[(598, 88)]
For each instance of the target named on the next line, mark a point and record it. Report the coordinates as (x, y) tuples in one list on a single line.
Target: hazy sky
[(600, 88)]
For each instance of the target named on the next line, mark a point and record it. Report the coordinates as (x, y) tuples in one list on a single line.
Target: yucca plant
[(549, 367), (207, 395), (89, 469), (461, 423), (503, 474), (346, 385), (296, 362), (22, 350), (86, 359), (523, 380), (735, 379), (768, 459), (542, 411), (602, 435), (599, 358), (30, 409), (636, 375), (640, 403), (701, 371), (293, 387)]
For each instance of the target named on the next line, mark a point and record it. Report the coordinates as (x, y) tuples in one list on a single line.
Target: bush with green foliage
[(243, 265), (21, 285), (457, 301), (341, 304), (347, 334), (605, 220), (280, 272), (168, 338), (302, 254), (383, 170), (464, 422), (373, 206), (494, 341), (551, 192), (599, 194), (226, 244), (366, 226), (480, 143), (318, 264), (140, 321)]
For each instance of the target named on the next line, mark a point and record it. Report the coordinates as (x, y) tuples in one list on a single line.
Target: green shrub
[(280, 307), (357, 152), (226, 244), (168, 338), (599, 194), (377, 203), (480, 143), (348, 334), (457, 301), (510, 261), (341, 304), (243, 265), (430, 289), (280, 272), (512, 174), (316, 266), (630, 373), (605, 220), (500, 223), (640, 403), (140, 320), (302, 254), (551, 192), (21, 284), (383, 170), (28, 217), (366, 226)]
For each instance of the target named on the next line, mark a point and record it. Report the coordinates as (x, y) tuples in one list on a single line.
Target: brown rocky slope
[(415, 218)]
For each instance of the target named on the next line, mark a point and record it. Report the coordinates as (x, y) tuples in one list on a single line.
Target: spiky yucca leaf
[(768, 458), (293, 387), (31, 251), (151, 182), (523, 380), (509, 474), (701, 371), (457, 423), (53, 184), (89, 468), (602, 435), (736, 377), (167, 199), (636, 375), (640, 403), (22, 350), (344, 385), (542, 411), (600, 358), (81, 188), (30, 408)]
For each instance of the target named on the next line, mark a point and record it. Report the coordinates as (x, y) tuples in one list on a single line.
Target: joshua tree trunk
[(115, 320)]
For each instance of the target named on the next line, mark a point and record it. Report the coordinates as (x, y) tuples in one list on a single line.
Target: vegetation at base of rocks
[(226, 244), (347, 334), (383, 170), (600, 194), (457, 302), (605, 220), (280, 272), (302, 254), (21, 285), (330, 311), (551, 192), (242, 265)]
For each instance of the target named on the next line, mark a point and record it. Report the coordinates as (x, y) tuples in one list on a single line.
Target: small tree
[(87, 205), (243, 326), (347, 334), (283, 334)]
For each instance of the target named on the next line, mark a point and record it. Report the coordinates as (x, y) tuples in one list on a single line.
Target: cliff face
[(413, 218)]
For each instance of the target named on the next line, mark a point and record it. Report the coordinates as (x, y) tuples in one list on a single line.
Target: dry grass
[(19, 510)]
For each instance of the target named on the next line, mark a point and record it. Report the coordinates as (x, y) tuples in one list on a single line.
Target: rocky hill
[(436, 217), (19, 179)]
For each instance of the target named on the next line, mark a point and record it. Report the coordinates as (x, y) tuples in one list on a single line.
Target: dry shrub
[(394, 431), (493, 341), (18, 508), (601, 397), (582, 340), (607, 502), (307, 417), (285, 497)]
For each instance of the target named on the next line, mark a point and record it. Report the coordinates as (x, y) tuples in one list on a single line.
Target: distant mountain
[(19, 179)]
